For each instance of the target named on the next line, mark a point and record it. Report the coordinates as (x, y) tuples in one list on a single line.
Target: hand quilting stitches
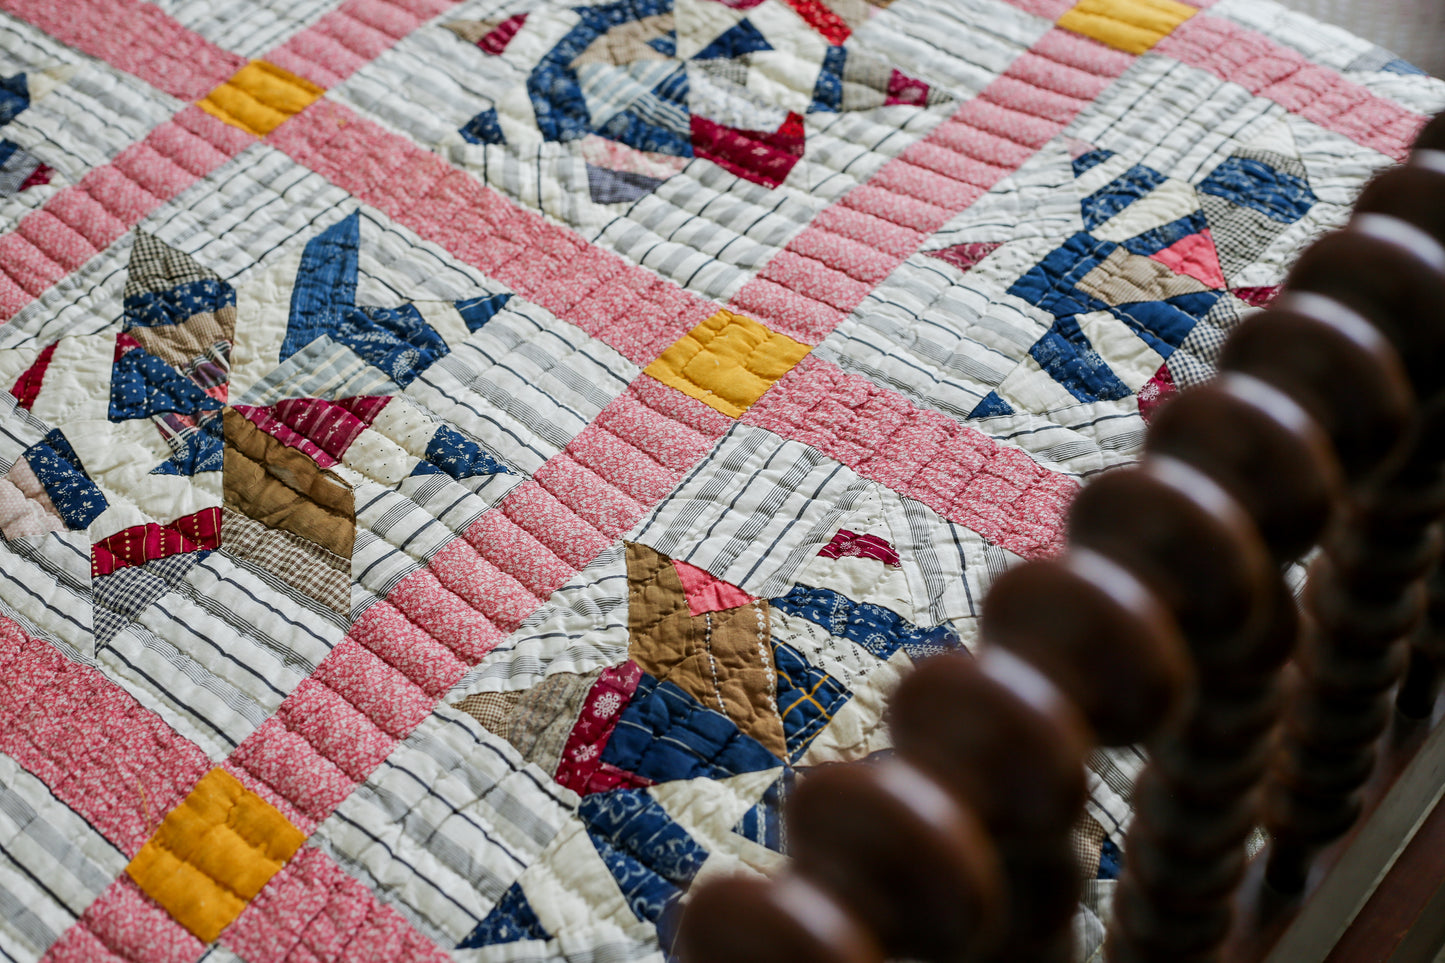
[(464, 463)]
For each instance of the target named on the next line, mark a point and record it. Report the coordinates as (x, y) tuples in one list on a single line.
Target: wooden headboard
[(1178, 617)]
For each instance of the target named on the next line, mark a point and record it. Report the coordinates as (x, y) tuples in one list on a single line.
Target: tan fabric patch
[(722, 659), (1127, 278), (180, 344), (627, 42), (300, 563), (1088, 845), (282, 488), (155, 266), (471, 30), (536, 721), (492, 709), (545, 715)]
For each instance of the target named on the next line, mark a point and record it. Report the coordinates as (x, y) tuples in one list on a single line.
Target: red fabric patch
[(1155, 392), (965, 256), (582, 769), (903, 89), (1258, 297), (707, 593), (124, 344), (822, 19), (143, 543), (364, 407), (759, 156), (41, 175), (322, 430), (496, 41), (847, 544), (27, 387)]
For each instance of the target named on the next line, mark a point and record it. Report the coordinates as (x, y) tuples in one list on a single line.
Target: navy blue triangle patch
[(808, 698), (485, 128), (451, 453), (14, 97), (1133, 185), (652, 858), (763, 824), (142, 385), (77, 499), (990, 406), (478, 311), (741, 39), (510, 921), (199, 449), (1068, 356), (666, 734), (1088, 160), (828, 91)]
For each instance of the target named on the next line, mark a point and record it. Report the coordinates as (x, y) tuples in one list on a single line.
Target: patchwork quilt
[(462, 463)]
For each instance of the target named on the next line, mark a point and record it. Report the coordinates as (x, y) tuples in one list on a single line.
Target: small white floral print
[(607, 705), (584, 753)]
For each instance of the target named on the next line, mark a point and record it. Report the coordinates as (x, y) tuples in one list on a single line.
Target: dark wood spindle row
[(1367, 591), (1167, 622)]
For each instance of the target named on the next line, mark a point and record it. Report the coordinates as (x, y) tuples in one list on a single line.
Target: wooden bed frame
[(1170, 621)]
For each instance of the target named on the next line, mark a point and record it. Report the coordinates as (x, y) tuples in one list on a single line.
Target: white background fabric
[(1414, 29)]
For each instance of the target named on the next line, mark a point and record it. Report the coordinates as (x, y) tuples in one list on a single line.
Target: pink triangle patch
[(906, 90), (1195, 256), (1257, 297), (705, 593), (965, 256), (496, 41)]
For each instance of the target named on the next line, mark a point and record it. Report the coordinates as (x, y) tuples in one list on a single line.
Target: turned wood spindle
[(905, 856), (999, 734), (1103, 637), (886, 863), (1195, 545), (1366, 591), (782, 920), (1416, 193)]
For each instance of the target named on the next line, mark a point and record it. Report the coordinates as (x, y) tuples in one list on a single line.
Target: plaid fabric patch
[(303, 565)]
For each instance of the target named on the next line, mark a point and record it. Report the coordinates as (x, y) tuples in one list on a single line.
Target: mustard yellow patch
[(727, 362), (259, 97), (213, 853), (1133, 26)]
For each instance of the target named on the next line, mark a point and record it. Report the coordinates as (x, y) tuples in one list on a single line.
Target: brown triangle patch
[(722, 659)]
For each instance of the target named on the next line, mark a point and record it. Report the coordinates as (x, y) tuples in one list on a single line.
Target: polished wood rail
[(1169, 622)]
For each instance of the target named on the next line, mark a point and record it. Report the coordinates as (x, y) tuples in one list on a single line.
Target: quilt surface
[(461, 463)]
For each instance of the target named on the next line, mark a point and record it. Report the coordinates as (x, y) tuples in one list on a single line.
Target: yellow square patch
[(727, 362), (259, 97), (213, 853), (1133, 26)]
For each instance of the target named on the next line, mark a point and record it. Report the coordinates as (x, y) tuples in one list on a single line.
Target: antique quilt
[(461, 463)]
